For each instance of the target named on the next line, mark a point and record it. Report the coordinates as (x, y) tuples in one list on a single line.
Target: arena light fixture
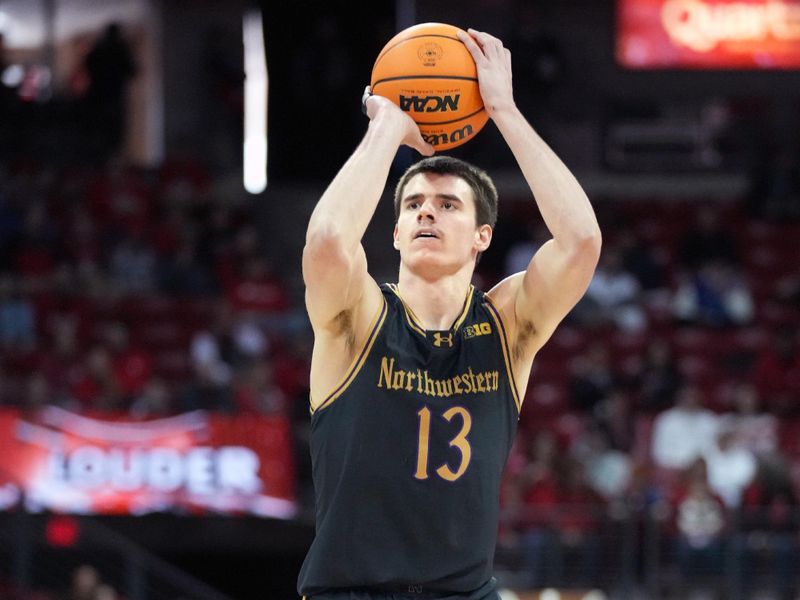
[(255, 103)]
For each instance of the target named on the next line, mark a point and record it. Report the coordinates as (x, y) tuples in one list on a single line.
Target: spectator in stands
[(528, 241), (120, 201), (17, 317), (683, 433), (776, 372), (105, 592), (787, 289), (205, 392), (110, 66), (592, 378), (291, 364), (35, 249), (614, 417), (716, 295), (538, 489), (255, 390), (37, 393), (614, 295), (769, 520), (61, 364), (216, 243), (182, 274), (133, 265), (731, 468), (96, 388), (707, 241), (608, 470), (154, 399), (257, 289), (231, 342), (753, 429), (243, 246), (700, 521), (208, 354), (82, 242), (658, 378), (639, 260), (578, 521), (84, 583), (65, 305), (132, 365)]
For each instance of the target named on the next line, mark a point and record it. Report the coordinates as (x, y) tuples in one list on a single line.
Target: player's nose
[(425, 212)]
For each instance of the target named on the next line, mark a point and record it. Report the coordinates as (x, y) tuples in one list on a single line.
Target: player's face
[(437, 223)]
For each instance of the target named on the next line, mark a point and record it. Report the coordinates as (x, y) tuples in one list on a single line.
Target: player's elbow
[(592, 242), (585, 248)]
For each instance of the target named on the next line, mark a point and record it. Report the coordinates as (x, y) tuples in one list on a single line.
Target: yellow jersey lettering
[(387, 366)]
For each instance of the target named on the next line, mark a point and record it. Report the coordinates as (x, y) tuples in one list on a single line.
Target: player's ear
[(396, 238), (483, 237)]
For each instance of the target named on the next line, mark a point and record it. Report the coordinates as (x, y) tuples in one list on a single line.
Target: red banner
[(703, 34), (196, 462)]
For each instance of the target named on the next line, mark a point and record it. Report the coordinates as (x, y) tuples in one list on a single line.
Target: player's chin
[(429, 259)]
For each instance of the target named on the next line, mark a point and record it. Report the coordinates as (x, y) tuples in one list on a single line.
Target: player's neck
[(437, 303)]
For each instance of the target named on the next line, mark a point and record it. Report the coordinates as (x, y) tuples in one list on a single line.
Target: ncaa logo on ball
[(429, 53)]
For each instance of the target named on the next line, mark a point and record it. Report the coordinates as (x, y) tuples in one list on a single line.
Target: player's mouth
[(426, 234)]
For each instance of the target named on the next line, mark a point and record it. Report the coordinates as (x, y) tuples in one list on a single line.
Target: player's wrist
[(389, 121), (502, 108)]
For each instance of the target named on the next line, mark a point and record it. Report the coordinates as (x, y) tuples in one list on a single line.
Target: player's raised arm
[(561, 270), (334, 264)]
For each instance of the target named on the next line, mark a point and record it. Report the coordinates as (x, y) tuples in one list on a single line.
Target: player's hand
[(494, 69), (374, 106)]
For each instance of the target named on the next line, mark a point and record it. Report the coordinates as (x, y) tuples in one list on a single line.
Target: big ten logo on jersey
[(471, 331)]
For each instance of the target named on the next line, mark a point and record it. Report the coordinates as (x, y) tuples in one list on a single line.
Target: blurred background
[(153, 344)]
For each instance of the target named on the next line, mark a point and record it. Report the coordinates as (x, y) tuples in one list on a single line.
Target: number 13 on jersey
[(460, 442)]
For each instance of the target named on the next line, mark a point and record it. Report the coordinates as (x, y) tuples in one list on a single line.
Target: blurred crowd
[(673, 384), (671, 393)]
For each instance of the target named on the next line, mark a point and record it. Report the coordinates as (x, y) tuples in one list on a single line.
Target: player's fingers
[(486, 40), (364, 97), (472, 46), (420, 145)]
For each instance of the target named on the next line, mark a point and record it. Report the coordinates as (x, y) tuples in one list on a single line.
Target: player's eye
[(447, 205), (412, 205)]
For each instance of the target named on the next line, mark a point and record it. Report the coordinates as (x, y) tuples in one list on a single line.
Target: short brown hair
[(483, 189)]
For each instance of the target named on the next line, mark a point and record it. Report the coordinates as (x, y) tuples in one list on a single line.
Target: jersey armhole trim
[(506, 351), (411, 318), (358, 362)]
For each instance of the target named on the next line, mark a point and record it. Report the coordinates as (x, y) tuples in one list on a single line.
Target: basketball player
[(416, 386)]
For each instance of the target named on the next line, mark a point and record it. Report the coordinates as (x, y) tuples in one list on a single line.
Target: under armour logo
[(439, 339)]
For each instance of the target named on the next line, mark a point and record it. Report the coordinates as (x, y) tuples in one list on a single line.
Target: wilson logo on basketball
[(429, 103), (436, 139), (429, 54)]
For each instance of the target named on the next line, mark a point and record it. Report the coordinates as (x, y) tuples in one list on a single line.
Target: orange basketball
[(429, 73)]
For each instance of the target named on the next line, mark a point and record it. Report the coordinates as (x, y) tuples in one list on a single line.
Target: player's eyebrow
[(419, 196)]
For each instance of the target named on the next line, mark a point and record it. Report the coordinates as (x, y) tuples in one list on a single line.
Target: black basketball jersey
[(408, 453)]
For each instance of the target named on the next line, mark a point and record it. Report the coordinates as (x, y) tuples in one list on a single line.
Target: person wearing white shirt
[(685, 432)]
